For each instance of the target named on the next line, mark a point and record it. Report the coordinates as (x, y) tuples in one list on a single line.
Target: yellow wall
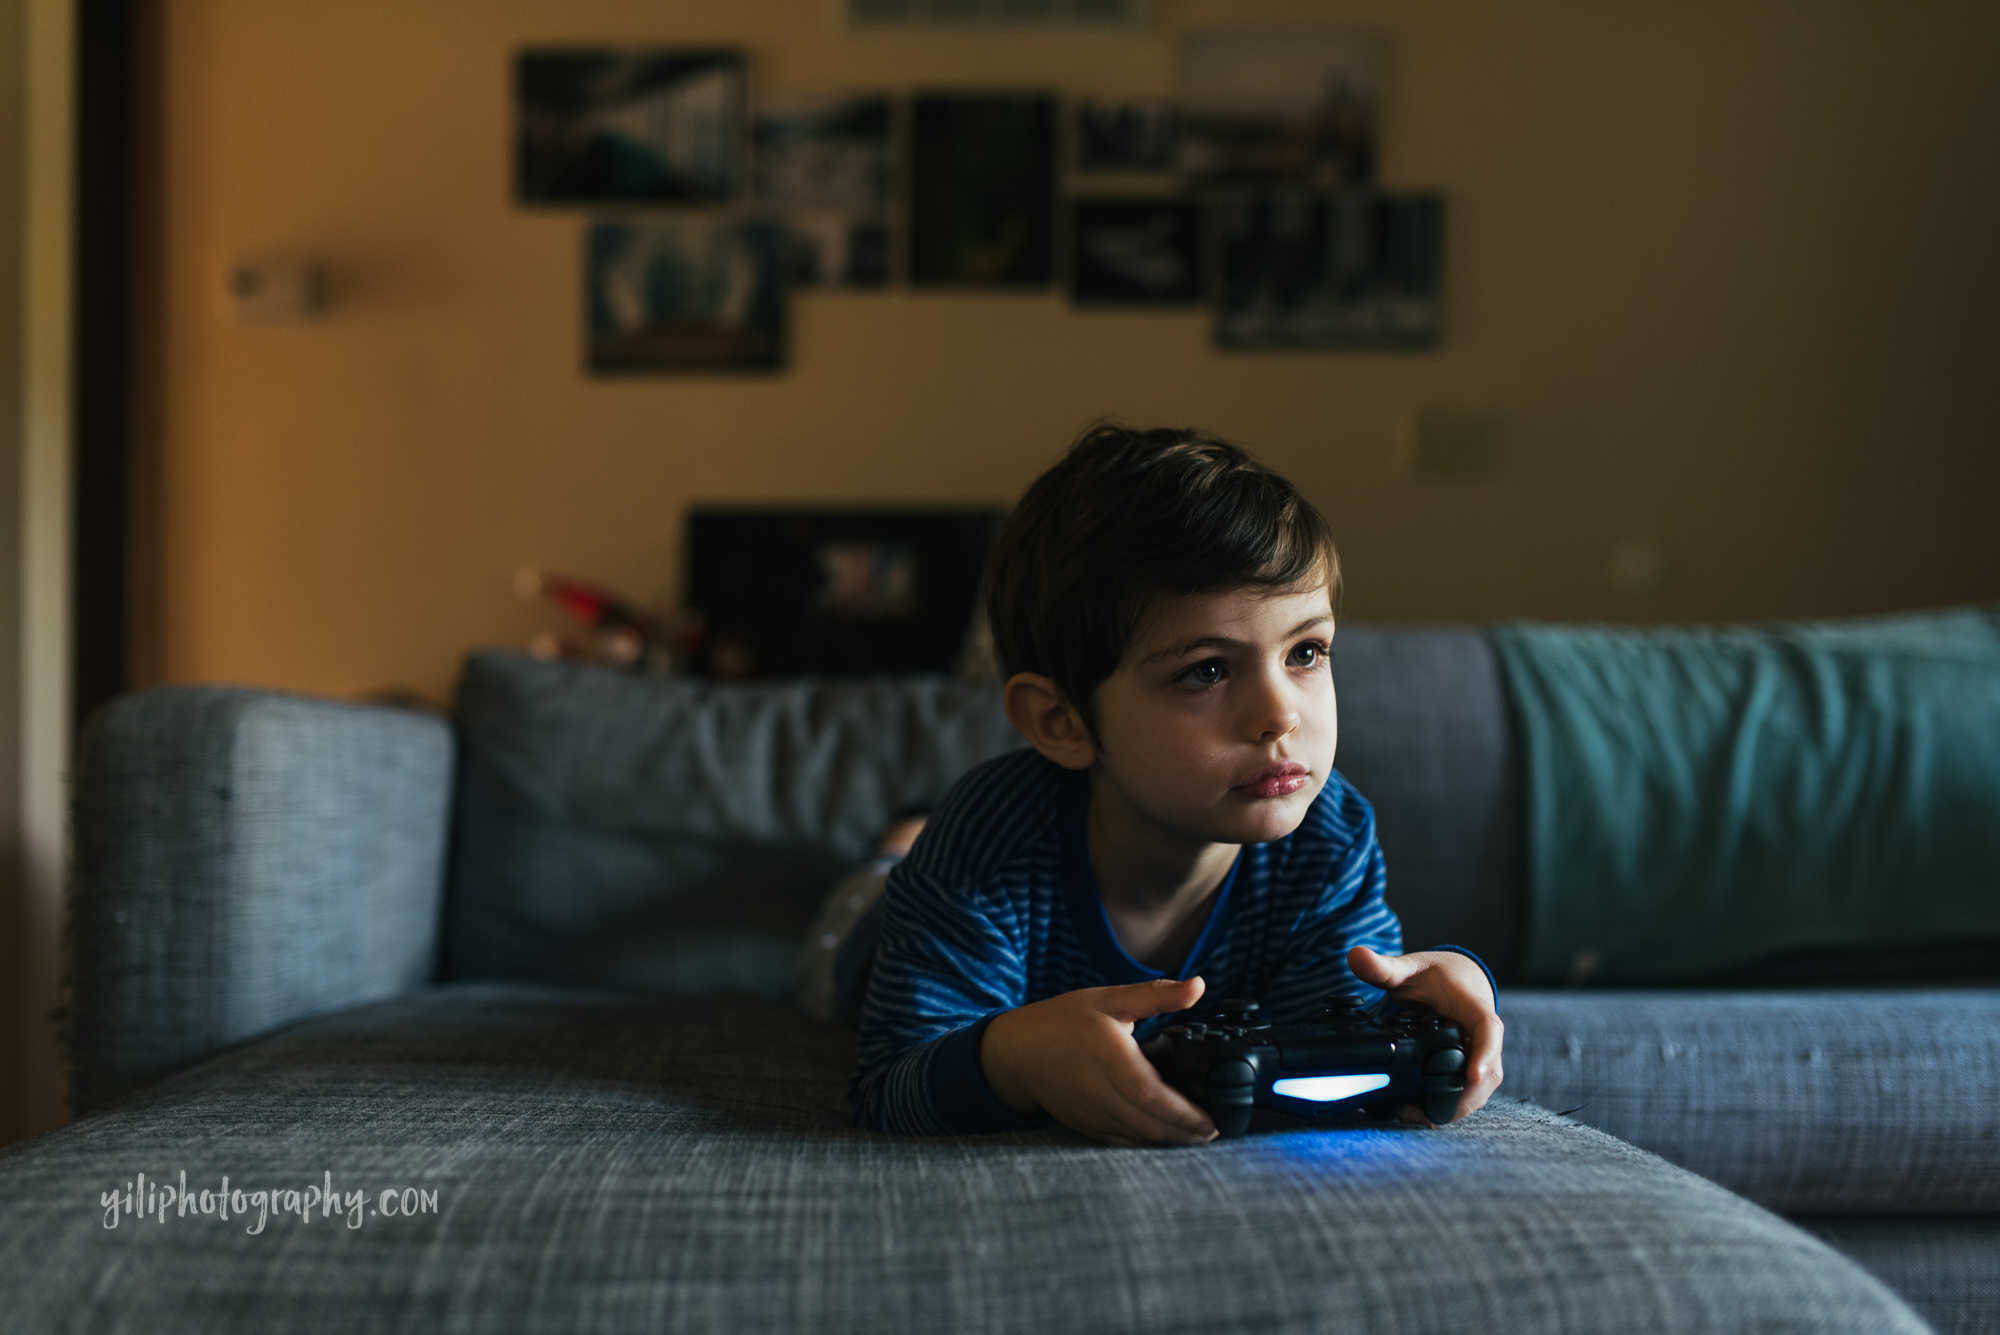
[(1727, 272)]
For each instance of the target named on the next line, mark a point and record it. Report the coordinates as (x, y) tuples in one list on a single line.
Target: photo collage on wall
[(1253, 192)]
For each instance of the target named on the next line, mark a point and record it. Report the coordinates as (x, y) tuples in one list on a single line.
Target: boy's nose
[(1274, 715)]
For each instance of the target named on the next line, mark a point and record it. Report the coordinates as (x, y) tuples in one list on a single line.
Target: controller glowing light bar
[(1328, 1088)]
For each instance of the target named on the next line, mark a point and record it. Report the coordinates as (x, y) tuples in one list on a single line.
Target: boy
[(1164, 609)]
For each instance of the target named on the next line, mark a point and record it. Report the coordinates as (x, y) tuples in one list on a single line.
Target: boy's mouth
[(1279, 780)]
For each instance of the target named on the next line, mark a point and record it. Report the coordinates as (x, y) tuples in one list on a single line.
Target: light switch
[(274, 291)]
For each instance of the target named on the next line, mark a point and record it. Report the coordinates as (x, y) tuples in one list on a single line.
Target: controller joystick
[(1342, 1010), (1345, 1063), (1239, 1012)]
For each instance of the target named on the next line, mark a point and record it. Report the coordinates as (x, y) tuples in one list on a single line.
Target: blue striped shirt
[(997, 906)]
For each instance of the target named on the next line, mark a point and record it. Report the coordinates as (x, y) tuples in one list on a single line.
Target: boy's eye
[(1205, 673), (1309, 655)]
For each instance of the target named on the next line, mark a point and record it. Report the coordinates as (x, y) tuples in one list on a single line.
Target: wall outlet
[(1448, 447)]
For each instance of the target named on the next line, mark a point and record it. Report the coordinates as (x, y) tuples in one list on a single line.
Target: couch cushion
[(1948, 1269), (606, 1165), (1862, 1101), (1425, 735), (672, 833)]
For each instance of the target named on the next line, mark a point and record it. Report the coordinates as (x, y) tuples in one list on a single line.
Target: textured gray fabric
[(1837, 1102), (686, 1164), (244, 860), (1426, 735), (1948, 1269), (677, 834)]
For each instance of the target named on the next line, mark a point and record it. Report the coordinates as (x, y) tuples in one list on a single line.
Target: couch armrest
[(244, 860)]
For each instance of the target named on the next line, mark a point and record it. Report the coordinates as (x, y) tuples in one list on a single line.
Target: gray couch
[(514, 988)]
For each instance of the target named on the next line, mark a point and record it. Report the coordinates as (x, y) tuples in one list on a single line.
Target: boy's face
[(1219, 724)]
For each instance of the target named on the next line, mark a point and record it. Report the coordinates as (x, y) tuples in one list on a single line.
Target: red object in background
[(617, 633), (592, 604)]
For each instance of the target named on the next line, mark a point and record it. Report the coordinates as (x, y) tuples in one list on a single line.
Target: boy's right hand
[(1073, 1058)]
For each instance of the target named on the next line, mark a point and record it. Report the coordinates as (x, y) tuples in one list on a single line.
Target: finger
[(1134, 1002), (1103, 1112), (1148, 1131), (1140, 1118), (1414, 1116), (1141, 1087), (1137, 1122), (1482, 1049), (1482, 1066), (1123, 1126), (1387, 972), (1474, 1098)]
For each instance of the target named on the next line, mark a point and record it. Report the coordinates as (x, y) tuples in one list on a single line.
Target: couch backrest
[(673, 833), (677, 834), (1426, 734)]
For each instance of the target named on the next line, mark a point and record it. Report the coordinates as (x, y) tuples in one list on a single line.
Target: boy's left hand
[(1456, 988)]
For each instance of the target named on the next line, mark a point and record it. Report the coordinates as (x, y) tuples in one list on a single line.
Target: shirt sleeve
[(948, 963)]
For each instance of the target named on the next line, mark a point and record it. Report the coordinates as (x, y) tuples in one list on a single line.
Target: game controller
[(1345, 1062)]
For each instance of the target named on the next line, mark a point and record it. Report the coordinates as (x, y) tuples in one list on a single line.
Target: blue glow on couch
[(1328, 1088)]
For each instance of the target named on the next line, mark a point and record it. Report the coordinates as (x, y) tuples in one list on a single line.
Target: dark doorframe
[(109, 65)]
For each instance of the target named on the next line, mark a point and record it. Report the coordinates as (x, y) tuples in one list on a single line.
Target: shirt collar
[(1086, 905)]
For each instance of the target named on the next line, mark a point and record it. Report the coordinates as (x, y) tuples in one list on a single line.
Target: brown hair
[(1124, 517)]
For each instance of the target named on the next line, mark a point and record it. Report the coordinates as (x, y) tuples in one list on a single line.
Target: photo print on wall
[(982, 190), (685, 294), (826, 162), (1136, 251), (1130, 136), (643, 124), (1280, 106), (1350, 269)]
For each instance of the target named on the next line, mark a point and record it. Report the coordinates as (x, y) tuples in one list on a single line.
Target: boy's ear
[(1049, 722)]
